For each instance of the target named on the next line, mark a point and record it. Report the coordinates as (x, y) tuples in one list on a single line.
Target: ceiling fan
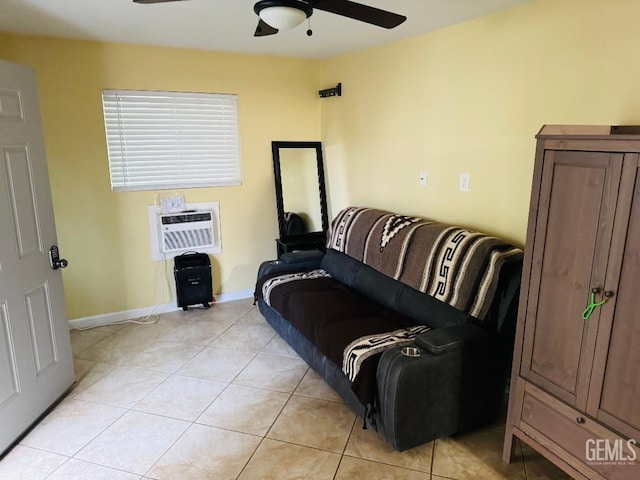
[(278, 15)]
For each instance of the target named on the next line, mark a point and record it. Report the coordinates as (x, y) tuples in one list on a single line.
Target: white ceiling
[(228, 25)]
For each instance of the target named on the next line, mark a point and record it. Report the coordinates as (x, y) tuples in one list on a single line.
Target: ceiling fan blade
[(364, 13), (263, 29), (156, 1)]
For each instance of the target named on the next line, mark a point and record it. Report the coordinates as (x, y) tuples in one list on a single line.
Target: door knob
[(54, 259)]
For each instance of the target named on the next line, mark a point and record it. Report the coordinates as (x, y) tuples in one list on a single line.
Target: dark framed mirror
[(301, 197)]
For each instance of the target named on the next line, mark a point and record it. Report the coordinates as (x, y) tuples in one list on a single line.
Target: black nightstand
[(305, 241)]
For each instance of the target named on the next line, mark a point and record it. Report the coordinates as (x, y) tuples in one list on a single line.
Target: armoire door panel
[(618, 352), (577, 195)]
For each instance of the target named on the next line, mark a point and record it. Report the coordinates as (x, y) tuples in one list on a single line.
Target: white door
[(36, 365)]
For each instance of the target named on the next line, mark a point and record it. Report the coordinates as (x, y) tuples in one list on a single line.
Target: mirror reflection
[(300, 193), (301, 197)]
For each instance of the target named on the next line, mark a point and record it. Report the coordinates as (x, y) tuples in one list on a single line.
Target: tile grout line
[(272, 423), (433, 458), (283, 407), (402, 467), (524, 463), (353, 426), (192, 423), (146, 473), (73, 456), (93, 463), (132, 408)]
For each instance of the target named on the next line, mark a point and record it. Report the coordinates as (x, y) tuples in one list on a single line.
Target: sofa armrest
[(449, 339), (291, 263), (457, 388), (310, 257)]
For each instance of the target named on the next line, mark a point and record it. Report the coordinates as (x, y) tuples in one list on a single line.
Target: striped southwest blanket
[(455, 265)]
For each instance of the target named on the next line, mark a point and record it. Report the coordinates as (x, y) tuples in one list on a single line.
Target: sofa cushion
[(424, 309), (331, 316)]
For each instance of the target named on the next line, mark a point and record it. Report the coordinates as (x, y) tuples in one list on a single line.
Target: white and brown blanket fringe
[(364, 347), (454, 265), (272, 283)]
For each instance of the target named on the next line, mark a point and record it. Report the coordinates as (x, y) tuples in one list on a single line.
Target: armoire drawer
[(578, 439)]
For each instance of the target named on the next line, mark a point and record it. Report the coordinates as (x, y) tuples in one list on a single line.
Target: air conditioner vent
[(175, 233), (185, 231), (187, 239)]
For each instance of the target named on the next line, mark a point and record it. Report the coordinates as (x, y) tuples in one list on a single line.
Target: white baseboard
[(115, 317), (233, 296)]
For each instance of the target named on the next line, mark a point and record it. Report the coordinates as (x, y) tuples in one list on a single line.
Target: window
[(166, 140)]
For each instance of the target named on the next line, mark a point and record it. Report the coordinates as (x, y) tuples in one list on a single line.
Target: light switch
[(464, 182)]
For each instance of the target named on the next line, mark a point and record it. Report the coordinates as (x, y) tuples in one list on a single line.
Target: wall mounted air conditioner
[(185, 231), (197, 229)]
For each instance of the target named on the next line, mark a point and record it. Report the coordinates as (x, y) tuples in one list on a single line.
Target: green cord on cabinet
[(592, 306)]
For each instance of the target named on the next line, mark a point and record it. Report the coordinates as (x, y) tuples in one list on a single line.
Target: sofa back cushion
[(390, 293), (454, 265)]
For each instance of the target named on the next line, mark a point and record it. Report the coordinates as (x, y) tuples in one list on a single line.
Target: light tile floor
[(216, 394)]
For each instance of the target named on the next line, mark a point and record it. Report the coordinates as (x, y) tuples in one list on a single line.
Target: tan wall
[(470, 98), (105, 235)]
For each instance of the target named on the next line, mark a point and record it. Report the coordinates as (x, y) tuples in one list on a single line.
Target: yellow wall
[(105, 235), (470, 98)]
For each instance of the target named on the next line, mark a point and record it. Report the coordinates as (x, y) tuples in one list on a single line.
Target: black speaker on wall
[(192, 272)]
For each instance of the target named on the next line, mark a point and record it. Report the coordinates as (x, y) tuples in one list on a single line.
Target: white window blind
[(165, 140)]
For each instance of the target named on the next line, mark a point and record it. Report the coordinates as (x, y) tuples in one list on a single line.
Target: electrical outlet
[(464, 182), (423, 178)]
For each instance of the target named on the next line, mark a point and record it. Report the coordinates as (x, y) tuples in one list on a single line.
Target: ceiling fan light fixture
[(282, 18), (283, 14)]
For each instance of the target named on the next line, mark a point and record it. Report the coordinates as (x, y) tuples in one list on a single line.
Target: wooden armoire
[(575, 384)]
